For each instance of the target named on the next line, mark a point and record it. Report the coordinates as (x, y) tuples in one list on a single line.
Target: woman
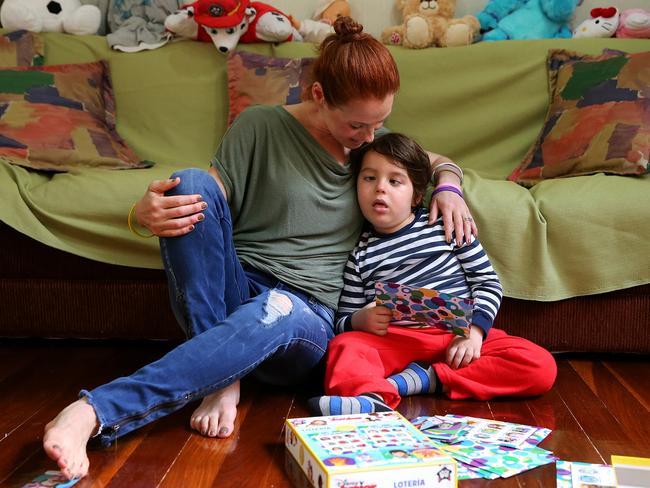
[(254, 251)]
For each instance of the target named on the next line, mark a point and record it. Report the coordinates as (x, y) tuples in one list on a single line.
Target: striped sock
[(415, 379), (343, 405)]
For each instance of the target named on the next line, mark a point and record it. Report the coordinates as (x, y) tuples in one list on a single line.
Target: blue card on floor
[(51, 479)]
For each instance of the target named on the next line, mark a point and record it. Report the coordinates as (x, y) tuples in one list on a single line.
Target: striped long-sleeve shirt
[(419, 256)]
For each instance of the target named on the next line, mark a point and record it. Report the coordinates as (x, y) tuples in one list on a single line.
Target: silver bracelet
[(448, 166)]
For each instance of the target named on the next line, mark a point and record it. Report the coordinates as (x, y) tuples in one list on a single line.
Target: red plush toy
[(226, 23)]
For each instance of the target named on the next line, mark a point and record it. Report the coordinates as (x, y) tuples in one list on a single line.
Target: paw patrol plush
[(603, 23), (526, 19), (226, 23), (50, 16)]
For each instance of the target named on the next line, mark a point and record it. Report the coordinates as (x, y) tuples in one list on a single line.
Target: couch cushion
[(598, 119), (60, 118), (21, 48)]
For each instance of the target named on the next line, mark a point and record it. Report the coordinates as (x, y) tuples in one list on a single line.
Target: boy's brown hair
[(405, 153)]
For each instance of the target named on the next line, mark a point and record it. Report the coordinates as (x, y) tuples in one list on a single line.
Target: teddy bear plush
[(226, 23), (427, 23), (526, 19), (320, 25), (50, 16)]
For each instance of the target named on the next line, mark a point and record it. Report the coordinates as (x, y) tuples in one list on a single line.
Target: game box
[(377, 450)]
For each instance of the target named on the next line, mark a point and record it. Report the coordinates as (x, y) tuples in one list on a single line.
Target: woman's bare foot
[(215, 417), (66, 437)]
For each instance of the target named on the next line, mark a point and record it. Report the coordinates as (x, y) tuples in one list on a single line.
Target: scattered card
[(51, 479)]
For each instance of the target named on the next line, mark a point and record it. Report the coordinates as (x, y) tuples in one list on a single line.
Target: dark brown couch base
[(45, 292)]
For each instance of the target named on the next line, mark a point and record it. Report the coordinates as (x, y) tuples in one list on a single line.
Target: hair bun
[(347, 29)]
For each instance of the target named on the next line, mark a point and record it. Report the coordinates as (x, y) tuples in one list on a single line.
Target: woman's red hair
[(353, 65)]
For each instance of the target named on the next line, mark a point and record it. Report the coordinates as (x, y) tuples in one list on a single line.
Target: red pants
[(360, 362)]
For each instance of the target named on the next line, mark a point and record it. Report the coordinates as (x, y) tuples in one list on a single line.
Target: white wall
[(376, 15)]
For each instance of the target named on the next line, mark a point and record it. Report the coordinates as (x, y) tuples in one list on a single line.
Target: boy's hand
[(464, 350), (372, 318)]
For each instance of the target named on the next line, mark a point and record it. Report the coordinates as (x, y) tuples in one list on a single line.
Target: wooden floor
[(598, 407)]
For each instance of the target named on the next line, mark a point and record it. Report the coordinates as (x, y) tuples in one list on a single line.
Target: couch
[(572, 253)]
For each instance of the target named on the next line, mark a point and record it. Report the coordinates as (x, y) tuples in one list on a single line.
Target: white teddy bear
[(50, 16)]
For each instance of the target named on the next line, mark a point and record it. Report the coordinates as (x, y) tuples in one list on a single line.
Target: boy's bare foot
[(215, 417), (66, 437)]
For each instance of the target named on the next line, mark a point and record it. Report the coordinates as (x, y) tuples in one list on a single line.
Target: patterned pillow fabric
[(21, 48), (61, 117), (598, 119), (255, 79)]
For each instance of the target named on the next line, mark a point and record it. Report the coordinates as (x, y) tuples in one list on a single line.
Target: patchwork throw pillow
[(61, 117), (255, 79), (598, 119), (21, 48)]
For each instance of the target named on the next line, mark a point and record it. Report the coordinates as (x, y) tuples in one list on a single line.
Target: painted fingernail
[(204, 206), (201, 217), (191, 228), (199, 198)]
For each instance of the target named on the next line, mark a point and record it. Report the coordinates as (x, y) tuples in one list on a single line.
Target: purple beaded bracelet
[(442, 188)]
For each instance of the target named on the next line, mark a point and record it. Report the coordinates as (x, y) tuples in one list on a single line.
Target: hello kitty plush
[(603, 23)]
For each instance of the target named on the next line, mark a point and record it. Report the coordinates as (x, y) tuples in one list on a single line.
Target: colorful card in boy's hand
[(413, 306)]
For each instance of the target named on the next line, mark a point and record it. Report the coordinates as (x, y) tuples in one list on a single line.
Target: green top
[(293, 206)]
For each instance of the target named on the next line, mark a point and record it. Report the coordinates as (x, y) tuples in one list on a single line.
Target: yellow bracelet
[(133, 229)]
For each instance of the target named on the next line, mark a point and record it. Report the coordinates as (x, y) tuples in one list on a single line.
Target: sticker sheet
[(487, 448), (443, 429), (428, 308), (501, 460), (451, 428), (592, 475)]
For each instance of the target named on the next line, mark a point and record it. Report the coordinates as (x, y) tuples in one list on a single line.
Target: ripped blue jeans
[(237, 321)]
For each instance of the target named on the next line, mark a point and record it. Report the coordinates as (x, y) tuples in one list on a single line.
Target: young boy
[(371, 364)]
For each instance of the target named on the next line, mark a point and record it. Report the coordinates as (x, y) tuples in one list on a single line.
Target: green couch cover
[(482, 105)]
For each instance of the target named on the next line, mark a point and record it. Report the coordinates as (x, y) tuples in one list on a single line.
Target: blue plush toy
[(526, 19)]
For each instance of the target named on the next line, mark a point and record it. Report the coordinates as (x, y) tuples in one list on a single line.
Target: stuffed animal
[(526, 19), (603, 23), (320, 25), (634, 22), (428, 23), (50, 16), (226, 23)]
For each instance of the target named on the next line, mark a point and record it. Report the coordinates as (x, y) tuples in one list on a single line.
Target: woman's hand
[(455, 216), (464, 350), (168, 216), (372, 318)]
